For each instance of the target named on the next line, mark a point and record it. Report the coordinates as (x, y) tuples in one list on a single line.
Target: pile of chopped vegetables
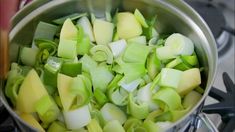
[(105, 74)]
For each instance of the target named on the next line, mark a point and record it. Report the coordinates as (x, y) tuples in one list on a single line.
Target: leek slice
[(118, 47), (153, 65), (180, 44), (144, 95), (77, 118), (170, 78), (138, 39), (102, 53), (47, 109), (191, 99), (164, 126), (100, 97), (151, 116), (71, 69), (139, 111), (68, 30), (150, 32), (57, 127), (50, 80), (164, 53), (67, 49), (88, 63), (168, 97), (25, 53), (86, 26), (114, 126), (72, 17), (94, 126), (101, 77), (131, 124), (83, 42), (111, 112), (174, 63), (136, 53), (114, 82), (140, 18), (133, 71), (130, 87), (192, 60), (28, 118), (150, 126), (108, 16), (53, 64), (118, 96), (51, 46)]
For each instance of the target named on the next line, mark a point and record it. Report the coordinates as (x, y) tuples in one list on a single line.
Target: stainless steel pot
[(173, 16)]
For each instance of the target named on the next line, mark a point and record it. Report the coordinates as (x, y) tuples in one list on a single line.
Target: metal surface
[(173, 16)]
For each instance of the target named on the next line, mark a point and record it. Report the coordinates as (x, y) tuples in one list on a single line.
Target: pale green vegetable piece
[(190, 79), (87, 63), (131, 86), (139, 111), (170, 77), (153, 65), (133, 71), (138, 39), (150, 126), (103, 31), (168, 97), (132, 123), (191, 99), (118, 47), (144, 95), (68, 30), (113, 126), (111, 112), (140, 18), (180, 44), (101, 76), (164, 53), (127, 25), (86, 25), (163, 126), (101, 53), (94, 126), (57, 127), (25, 53), (67, 49), (78, 118), (174, 63)]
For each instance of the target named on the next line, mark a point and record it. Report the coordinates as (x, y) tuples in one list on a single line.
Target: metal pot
[(173, 16)]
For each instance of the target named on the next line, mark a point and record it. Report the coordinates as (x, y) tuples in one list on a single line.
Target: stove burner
[(226, 105)]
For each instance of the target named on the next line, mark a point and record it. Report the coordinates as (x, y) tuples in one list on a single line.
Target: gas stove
[(219, 105)]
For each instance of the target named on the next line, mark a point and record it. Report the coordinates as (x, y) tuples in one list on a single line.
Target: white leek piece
[(67, 49), (127, 25), (138, 39), (114, 126), (77, 118), (140, 18), (111, 112), (170, 77), (86, 25), (25, 53), (87, 63), (163, 126), (164, 53), (144, 95), (130, 87), (118, 47), (180, 44), (103, 31), (101, 53)]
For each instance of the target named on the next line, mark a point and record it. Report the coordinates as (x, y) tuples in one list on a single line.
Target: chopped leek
[(100, 97), (174, 63), (67, 49), (25, 53), (102, 53), (164, 53), (83, 41), (114, 126), (118, 47), (130, 87), (191, 99), (88, 63), (77, 118), (138, 39), (118, 96), (153, 65), (140, 18), (86, 25), (170, 78), (111, 112), (94, 126), (53, 64), (57, 127), (139, 111), (71, 69), (131, 124), (72, 17)]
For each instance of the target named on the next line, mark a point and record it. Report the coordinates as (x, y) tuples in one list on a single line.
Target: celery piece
[(25, 53), (140, 18), (130, 86), (103, 31), (132, 123), (73, 17), (138, 39), (87, 63), (168, 97), (73, 122), (190, 79), (100, 97), (71, 69), (191, 99), (144, 95), (86, 25), (118, 96), (114, 126), (170, 78), (101, 53), (94, 126), (127, 25), (133, 71), (111, 112), (139, 111), (47, 109), (44, 31), (118, 47), (136, 53), (180, 44), (164, 53), (101, 77), (56, 127), (67, 49), (153, 65), (53, 64), (174, 63)]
